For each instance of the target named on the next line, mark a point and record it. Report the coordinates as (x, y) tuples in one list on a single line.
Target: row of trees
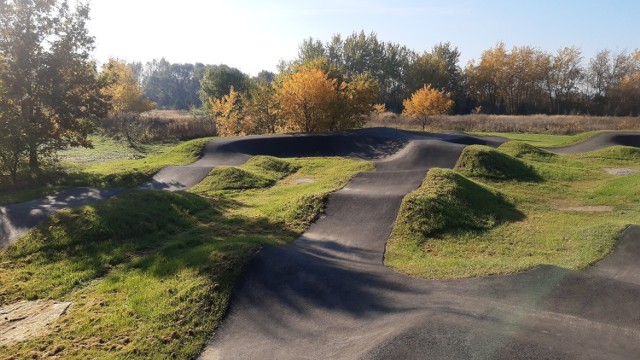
[(527, 80), (308, 97)]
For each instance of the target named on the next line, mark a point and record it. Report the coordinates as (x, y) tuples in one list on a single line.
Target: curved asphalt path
[(328, 295)]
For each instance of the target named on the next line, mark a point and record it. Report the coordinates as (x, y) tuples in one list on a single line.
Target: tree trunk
[(34, 164)]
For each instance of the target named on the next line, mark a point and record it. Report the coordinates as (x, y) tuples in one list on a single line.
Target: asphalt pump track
[(328, 294)]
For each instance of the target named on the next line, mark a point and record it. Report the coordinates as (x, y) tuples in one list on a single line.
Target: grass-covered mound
[(571, 218), (614, 153), (150, 273), (448, 201), (258, 172), (485, 162), (522, 150)]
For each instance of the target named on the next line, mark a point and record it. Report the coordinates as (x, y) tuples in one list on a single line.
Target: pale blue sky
[(254, 35)]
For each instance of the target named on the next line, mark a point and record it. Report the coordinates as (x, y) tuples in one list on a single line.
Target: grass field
[(149, 272), (474, 223), (109, 163)]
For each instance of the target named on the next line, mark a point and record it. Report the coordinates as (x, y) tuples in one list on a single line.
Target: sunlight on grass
[(150, 273), (557, 227)]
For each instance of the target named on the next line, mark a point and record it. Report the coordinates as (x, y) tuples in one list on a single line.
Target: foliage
[(171, 85), (310, 100), (228, 114), (52, 87), (359, 54), (425, 103), (260, 108), (123, 90), (217, 81)]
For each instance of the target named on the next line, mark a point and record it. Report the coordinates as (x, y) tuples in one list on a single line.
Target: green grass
[(543, 140), (150, 273), (548, 231), (258, 172), (109, 163), (483, 161)]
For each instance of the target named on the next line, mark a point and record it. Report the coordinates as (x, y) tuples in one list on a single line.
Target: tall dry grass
[(159, 125), (541, 124)]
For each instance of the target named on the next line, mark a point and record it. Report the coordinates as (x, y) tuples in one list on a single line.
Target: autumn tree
[(217, 81), (260, 108), (52, 89), (310, 100), (425, 103), (227, 112), (124, 92)]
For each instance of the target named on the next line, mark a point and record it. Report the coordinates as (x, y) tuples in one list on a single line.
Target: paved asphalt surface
[(328, 295)]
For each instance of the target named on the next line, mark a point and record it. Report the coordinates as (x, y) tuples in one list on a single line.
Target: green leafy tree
[(217, 81), (52, 87)]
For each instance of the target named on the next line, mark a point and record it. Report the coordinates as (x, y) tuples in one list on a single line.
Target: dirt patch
[(588, 208), (621, 171), (25, 320), (303, 181)]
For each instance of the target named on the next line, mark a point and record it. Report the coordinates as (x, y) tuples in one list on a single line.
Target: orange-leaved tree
[(307, 100), (123, 89), (425, 103), (315, 99), (227, 112)]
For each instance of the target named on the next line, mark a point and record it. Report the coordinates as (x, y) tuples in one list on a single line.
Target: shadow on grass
[(158, 232)]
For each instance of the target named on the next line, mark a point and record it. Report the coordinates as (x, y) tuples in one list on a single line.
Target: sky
[(254, 35)]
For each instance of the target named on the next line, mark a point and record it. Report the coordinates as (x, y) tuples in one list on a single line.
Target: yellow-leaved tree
[(311, 100), (227, 112), (307, 100), (123, 89), (425, 103)]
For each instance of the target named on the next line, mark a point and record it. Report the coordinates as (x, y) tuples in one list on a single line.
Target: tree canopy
[(51, 89), (425, 103), (123, 89)]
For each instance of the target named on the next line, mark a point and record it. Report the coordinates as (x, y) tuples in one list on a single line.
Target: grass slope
[(483, 161), (108, 164), (557, 225), (150, 273), (258, 172), (543, 140)]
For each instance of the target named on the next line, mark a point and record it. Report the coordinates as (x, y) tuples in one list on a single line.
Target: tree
[(52, 93), (307, 99), (123, 89), (312, 99), (425, 103), (217, 81), (563, 78), (228, 114), (260, 109)]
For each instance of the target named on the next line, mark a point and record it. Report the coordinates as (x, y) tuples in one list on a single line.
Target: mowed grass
[(149, 272), (542, 140), (558, 217), (110, 163)]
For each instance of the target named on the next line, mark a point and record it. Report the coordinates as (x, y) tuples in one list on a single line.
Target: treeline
[(518, 81)]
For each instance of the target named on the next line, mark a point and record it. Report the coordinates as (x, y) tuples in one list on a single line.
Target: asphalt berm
[(328, 294)]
